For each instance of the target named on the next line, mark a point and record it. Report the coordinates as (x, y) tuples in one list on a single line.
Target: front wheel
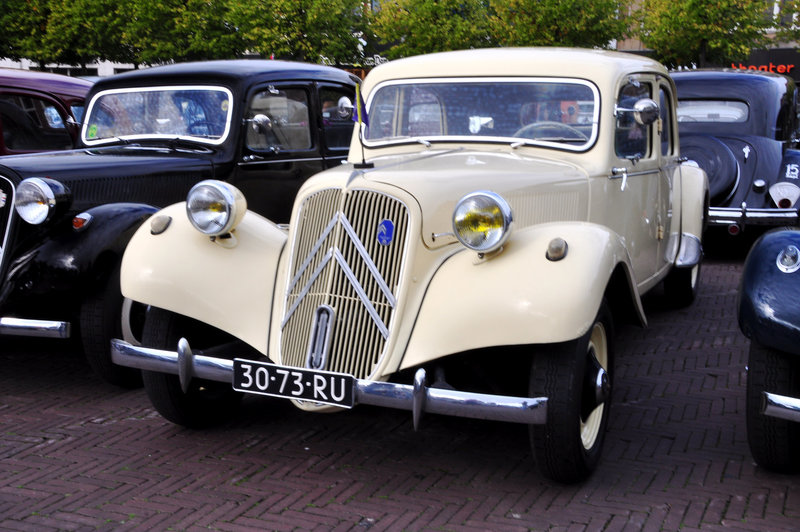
[(575, 377), (205, 403), (774, 442)]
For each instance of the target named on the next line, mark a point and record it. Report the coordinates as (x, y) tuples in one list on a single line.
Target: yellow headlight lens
[(482, 220), (215, 207)]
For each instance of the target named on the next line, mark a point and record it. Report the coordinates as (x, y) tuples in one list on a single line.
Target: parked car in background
[(770, 317), (39, 111), (741, 127), (147, 136), (499, 214)]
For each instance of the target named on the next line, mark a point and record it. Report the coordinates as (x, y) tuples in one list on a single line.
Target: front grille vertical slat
[(368, 269)]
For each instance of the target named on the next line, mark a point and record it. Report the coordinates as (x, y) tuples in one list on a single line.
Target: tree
[(704, 32), (301, 30), (583, 23), (413, 27), (24, 24)]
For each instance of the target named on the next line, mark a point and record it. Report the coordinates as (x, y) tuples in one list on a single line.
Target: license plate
[(293, 383)]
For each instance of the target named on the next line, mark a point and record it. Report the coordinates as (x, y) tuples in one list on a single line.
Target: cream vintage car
[(500, 212)]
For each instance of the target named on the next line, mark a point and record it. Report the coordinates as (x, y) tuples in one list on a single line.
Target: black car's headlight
[(482, 221), (214, 207), (39, 198)]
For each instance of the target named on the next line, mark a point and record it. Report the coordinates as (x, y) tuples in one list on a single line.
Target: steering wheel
[(550, 129), (198, 124)]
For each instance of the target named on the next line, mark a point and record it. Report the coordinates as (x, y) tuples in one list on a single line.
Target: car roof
[(600, 66), (230, 73), (59, 84), (741, 84)]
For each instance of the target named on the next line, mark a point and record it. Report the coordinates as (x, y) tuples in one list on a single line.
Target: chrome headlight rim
[(36, 199), (482, 200), (229, 207)]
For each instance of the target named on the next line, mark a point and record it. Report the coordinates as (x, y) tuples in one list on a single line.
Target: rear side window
[(30, 123), (336, 104)]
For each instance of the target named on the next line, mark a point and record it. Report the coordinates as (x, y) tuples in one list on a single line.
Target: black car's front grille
[(347, 256)]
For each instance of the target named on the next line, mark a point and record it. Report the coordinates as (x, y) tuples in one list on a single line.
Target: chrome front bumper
[(781, 406), (34, 328), (417, 398)]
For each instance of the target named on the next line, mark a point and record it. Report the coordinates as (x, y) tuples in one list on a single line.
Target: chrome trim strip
[(314, 275), (35, 328), (311, 254), (416, 398), (362, 294), (780, 406), (368, 260)]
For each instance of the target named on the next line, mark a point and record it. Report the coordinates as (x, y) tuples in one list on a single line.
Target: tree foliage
[(584, 23), (704, 32)]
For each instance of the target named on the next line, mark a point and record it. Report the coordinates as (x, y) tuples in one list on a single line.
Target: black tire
[(774, 442), (681, 285), (100, 321), (206, 403), (568, 446)]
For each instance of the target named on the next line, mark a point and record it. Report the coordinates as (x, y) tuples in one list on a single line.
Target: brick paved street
[(76, 454)]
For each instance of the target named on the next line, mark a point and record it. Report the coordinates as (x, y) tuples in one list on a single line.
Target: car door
[(32, 122), (639, 167), (281, 147), (668, 210)]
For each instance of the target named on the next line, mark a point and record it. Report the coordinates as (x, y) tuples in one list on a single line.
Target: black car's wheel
[(575, 377), (774, 442), (681, 284), (100, 321), (205, 403)]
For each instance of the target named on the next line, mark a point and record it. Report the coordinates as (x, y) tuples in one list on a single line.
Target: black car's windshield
[(560, 113), (197, 113)]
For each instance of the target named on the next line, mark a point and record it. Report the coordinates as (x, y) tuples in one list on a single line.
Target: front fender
[(184, 271), (70, 261), (519, 296), (768, 297)]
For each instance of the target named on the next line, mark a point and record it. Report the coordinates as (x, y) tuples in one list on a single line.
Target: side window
[(278, 120), (665, 108), (632, 138), (30, 123), (337, 116)]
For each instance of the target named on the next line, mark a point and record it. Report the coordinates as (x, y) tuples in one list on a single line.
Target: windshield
[(723, 111), (202, 114), (543, 111)]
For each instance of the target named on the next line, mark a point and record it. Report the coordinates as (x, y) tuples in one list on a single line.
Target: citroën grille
[(347, 255)]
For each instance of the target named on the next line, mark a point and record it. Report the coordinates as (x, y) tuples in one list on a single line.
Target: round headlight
[(214, 207), (482, 221), (37, 199)]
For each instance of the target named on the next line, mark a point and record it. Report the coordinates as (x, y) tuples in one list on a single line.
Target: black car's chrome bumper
[(744, 215), (34, 328), (781, 406), (417, 398)]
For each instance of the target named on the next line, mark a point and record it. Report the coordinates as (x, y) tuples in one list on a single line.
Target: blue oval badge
[(385, 232)]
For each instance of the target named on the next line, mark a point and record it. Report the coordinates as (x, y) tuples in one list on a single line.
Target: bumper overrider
[(417, 398), (781, 406)]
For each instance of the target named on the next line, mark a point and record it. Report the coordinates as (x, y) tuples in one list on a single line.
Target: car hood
[(114, 174), (537, 189)]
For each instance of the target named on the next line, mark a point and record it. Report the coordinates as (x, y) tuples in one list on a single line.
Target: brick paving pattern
[(76, 454)]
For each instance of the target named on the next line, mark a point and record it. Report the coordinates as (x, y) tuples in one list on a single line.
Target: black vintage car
[(741, 127), (147, 137), (769, 315)]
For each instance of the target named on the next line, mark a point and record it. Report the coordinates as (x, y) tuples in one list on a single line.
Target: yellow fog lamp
[(215, 208), (482, 221)]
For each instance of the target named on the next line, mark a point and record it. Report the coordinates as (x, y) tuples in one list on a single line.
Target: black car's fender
[(72, 261), (770, 291)]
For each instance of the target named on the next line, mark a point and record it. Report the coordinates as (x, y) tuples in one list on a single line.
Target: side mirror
[(644, 111)]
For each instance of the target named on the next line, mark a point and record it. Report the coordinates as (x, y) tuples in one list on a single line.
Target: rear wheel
[(205, 403), (681, 284), (100, 321), (774, 442), (575, 377)]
